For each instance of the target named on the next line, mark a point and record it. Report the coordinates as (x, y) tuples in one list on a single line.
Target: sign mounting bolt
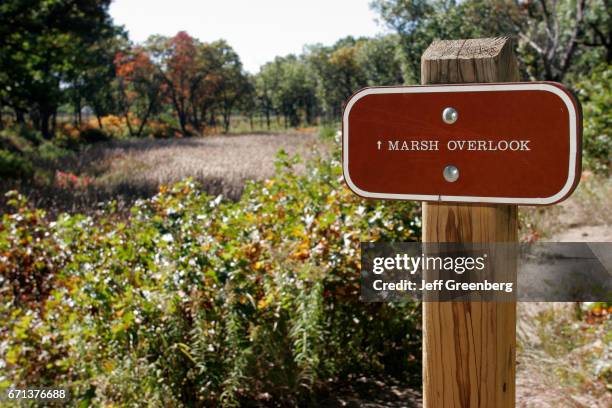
[(451, 173), (450, 115)]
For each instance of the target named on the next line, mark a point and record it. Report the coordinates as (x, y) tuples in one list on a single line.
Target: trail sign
[(503, 143)]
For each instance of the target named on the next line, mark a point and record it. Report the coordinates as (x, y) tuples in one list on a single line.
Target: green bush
[(595, 93), (20, 139), (52, 154), (12, 165), (22, 136), (195, 301), (328, 132)]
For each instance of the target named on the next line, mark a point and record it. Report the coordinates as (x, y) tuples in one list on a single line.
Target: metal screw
[(450, 115), (451, 174)]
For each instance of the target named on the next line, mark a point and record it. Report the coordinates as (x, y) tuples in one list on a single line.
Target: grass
[(562, 361), (242, 125), (130, 169), (590, 205)]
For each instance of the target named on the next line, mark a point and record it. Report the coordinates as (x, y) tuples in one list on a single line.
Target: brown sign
[(513, 143)]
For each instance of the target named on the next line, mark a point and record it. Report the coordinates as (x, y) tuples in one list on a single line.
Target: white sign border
[(465, 88)]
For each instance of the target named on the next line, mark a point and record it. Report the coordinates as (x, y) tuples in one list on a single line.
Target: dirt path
[(370, 393)]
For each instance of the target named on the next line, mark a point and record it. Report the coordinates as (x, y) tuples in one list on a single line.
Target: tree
[(266, 85), (380, 60), (201, 78), (415, 22), (598, 32), (232, 83), (554, 30), (42, 44), (553, 35), (248, 100), (338, 73), (140, 85), (294, 97), (177, 63)]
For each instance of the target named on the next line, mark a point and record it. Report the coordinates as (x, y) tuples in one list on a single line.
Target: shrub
[(70, 181), (67, 136), (51, 153), (115, 126), (328, 132), (595, 93), (12, 165), (158, 130), (195, 301), (93, 135), (19, 138), (23, 132)]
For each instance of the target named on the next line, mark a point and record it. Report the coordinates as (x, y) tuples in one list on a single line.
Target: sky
[(258, 30)]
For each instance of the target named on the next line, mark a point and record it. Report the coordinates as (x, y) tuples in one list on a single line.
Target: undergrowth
[(192, 300)]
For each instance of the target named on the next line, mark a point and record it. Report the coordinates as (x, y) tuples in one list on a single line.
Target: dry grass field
[(221, 163), (127, 170)]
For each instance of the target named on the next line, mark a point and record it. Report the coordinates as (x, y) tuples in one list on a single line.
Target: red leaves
[(133, 65), (72, 181)]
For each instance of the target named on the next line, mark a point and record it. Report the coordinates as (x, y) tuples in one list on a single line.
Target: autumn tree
[(140, 86), (201, 78), (177, 63)]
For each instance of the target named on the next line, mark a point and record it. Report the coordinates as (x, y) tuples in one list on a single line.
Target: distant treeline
[(69, 56)]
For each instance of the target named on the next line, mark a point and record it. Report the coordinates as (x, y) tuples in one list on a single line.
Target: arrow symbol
[(379, 142)]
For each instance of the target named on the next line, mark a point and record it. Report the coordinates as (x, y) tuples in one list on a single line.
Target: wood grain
[(469, 347)]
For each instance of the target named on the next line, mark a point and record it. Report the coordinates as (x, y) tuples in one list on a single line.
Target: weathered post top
[(474, 60)]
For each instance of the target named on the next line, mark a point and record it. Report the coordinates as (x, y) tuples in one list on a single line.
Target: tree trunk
[(129, 124), (79, 118), (54, 121), (183, 122), (227, 117), (19, 116), (44, 119)]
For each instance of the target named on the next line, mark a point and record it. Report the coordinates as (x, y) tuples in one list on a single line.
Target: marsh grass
[(127, 170)]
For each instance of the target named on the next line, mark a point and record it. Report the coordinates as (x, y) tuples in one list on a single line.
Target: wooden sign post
[(472, 150), (469, 348)]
